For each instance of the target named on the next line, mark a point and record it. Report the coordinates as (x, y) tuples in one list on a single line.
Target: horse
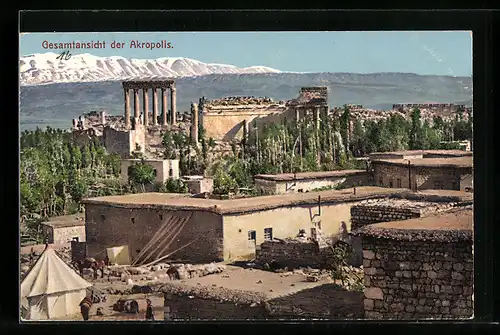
[(90, 263)]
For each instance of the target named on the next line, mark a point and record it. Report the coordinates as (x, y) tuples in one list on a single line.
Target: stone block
[(370, 271), (374, 315), (457, 276), (431, 274), (374, 293), (368, 254), (369, 305)]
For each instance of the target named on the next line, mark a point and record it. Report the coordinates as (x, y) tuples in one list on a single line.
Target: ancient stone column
[(145, 104), (164, 106), (137, 112), (126, 92), (103, 117), (173, 101), (317, 117), (155, 106), (194, 123)]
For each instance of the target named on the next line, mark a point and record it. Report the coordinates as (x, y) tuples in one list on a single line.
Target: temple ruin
[(145, 86)]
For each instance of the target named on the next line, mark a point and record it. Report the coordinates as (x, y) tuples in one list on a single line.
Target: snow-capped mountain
[(45, 68)]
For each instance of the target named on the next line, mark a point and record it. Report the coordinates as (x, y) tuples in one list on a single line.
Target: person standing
[(85, 305), (150, 314)]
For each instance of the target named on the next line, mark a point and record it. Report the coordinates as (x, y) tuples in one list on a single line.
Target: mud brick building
[(424, 173), (64, 229), (419, 268), (308, 181), (217, 229)]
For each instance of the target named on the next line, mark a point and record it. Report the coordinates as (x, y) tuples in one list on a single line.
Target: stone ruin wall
[(291, 254), (230, 123), (417, 280), (362, 215), (190, 307), (123, 142)]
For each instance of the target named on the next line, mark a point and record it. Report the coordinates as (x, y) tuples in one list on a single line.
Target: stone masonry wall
[(417, 280), (291, 254), (362, 215), (184, 307), (66, 234)]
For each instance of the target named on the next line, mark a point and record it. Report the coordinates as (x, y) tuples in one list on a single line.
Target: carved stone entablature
[(148, 84)]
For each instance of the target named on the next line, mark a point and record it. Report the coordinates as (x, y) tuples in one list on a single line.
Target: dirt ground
[(110, 315), (272, 284), (275, 286)]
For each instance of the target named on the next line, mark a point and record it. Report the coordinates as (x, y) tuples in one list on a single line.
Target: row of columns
[(145, 103), (318, 113)]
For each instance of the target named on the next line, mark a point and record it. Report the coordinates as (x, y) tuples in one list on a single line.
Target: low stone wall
[(191, 303), (291, 254), (362, 214), (417, 279), (327, 301), (194, 308)]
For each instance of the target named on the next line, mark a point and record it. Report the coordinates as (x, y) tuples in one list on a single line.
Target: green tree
[(223, 183), (79, 190), (141, 173), (86, 157)]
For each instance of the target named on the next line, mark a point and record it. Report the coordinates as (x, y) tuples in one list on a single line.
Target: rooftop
[(309, 175), (66, 221), (455, 162), (451, 226), (457, 153), (241, 205)]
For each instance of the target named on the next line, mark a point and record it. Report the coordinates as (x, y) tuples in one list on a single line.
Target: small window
[(300, 190), (133, 220), (129, 170), (252, 235), (268, 234), (103, 217), (171, 172), (390, 184), (398, 183), (160, 216), (155, 172)]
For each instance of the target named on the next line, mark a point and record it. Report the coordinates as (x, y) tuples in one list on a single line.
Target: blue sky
[(426, 53)]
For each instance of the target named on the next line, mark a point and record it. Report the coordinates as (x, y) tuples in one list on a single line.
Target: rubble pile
[(162, 271)]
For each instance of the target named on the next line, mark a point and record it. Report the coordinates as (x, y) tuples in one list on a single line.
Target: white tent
[(52, 289)]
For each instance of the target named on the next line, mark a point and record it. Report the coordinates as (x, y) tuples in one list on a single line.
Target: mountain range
[(75, 89), (46, 68)]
